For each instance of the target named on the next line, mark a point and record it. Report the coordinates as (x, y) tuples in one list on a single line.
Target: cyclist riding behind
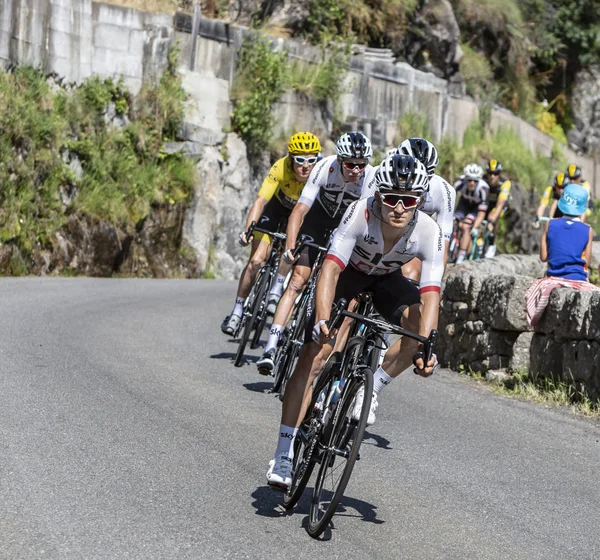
[(273, 205), (472, 206), (497, 200), (550, 199), (574, 175), (439, 198), (376, 237), (334, 184)]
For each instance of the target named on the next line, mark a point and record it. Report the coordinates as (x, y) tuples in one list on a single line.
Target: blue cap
[(573, 200)]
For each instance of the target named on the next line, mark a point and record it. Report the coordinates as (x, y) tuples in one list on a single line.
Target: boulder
[(572, 315), (581, 363), (546, 355), (521, 353), (585, 103), (501, 302)]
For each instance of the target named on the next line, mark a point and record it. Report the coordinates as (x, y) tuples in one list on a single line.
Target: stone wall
[(483, 324)]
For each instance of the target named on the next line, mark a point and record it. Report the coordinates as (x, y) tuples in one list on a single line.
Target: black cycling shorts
[(274, 218), (466, 210), (318, 225), (392, 294)]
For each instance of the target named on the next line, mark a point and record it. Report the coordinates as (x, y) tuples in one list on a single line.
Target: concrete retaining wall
[(80, 38)]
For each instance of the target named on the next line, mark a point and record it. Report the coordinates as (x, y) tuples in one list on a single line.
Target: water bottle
[(335, 392), (320, 401)]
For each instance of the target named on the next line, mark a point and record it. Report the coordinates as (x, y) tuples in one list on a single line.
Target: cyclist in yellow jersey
[(497, 200), (550, 199), (276, 198)]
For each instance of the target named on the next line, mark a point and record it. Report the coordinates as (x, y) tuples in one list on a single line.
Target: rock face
[(435, 32), (585, 137), (483, 324), (218, 211)]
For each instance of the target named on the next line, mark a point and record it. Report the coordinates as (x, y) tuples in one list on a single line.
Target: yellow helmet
[(573, 171), (304, 143)]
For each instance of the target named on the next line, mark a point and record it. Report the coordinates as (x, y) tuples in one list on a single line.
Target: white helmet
[(400, 172), (423, 150), (473, 171), (354, 145)]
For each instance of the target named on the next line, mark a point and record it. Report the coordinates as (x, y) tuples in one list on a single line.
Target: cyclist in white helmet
[(438, 200), (377, 236), (334, 183), (472, 206)]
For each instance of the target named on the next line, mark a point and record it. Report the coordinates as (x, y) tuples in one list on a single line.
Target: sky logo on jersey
[(370, 239)]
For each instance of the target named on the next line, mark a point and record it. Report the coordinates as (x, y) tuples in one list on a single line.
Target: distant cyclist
[(334, 184), (472, 206), (497, 200), (574, 175), (273, 205), (550, 199), (439, 199)]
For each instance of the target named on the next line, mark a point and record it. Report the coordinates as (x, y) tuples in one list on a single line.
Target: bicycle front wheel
[(251, 312), (340, 452)]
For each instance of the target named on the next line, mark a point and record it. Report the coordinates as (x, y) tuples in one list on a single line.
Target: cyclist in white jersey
[(439, 199), (376, 237), (472, 206), (334, 183)]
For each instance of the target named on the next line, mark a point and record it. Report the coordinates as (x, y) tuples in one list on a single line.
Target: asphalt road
[(126, 432)]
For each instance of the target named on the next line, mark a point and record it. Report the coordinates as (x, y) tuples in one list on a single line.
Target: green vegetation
[(533, 171), (264, 74), (124, 171), (541, 390), (259, 83)]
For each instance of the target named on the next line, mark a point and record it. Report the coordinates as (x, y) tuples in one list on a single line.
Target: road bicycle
[(254, 315), (478, 247), (292, 337), (329, 436)]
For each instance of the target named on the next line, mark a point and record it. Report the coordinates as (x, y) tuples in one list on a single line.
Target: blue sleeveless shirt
[(567, 239)]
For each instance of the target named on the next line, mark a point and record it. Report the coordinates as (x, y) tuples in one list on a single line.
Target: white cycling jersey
[(440, 200), (477, 197), (359, 241), (326, 185)]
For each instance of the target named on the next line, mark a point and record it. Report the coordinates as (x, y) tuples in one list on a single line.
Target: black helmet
[(494, 166), (573, 171), (399, 172)]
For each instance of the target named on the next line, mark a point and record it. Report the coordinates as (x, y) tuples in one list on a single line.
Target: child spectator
[(567, 247)]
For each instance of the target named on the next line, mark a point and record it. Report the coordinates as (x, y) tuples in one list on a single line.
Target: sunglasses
[(392, 200), (495, 173), (351, 165), (300, 160)]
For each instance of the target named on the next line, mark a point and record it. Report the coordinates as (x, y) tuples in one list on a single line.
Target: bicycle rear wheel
[(251, 311), (340, 451)]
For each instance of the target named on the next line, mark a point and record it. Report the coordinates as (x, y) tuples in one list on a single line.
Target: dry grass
[(157, 6), (541, 391)]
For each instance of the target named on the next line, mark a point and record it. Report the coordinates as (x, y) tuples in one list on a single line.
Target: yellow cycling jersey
[(500, 193), (550, 194), (282, 184)]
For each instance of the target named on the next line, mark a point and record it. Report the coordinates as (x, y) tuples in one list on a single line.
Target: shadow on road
[(380, 441), (259, 386), (231, 356), (268, 503)]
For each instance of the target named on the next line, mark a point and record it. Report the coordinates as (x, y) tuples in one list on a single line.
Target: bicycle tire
[(304, 457), (253, 304), (261, 319), (293, 353), (321, 510), (291, 349)]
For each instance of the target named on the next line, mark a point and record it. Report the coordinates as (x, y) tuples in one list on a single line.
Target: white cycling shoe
[(279, 474), (358, 403)]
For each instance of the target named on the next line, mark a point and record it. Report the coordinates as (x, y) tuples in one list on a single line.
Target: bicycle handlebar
[(304, 242), (253, 227)]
